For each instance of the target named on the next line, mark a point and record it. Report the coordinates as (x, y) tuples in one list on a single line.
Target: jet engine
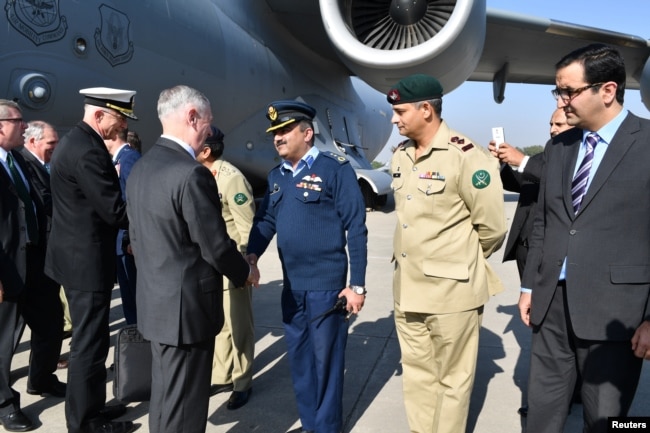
[(443, 38)]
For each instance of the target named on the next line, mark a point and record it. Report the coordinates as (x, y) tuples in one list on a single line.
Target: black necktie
[(23, 193), (579, 184)]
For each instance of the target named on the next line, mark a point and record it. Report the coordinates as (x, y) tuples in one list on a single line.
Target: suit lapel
[(616, 150), (569, 162), (7, 180)]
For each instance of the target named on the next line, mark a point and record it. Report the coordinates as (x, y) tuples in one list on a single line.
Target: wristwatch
[(359, 290)]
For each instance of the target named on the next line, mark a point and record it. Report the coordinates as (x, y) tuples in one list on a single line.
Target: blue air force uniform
[(315, 211)]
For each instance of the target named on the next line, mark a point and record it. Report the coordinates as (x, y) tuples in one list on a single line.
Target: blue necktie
[(579, 184), (23, 193)]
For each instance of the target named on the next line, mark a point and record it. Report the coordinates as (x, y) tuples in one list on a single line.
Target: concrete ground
[(373, 384)]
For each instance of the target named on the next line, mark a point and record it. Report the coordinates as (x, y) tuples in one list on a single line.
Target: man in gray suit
[(182, 250), (589, 261)]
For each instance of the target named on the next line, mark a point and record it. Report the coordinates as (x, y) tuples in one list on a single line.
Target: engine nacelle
[(441, 38)]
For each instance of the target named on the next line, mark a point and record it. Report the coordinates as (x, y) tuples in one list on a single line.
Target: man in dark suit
[(124, 158), (182, 250), (40, 141), (21, 254), (586, 286), (43, 306), (87, 211), (523, 179)]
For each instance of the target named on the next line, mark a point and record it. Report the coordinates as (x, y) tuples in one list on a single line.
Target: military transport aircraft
[(245, 53)]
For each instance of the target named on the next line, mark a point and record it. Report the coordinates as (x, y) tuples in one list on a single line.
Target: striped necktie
[(23, 193), (579, 184)]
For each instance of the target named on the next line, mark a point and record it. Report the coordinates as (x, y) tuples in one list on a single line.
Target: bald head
[(558, 122)]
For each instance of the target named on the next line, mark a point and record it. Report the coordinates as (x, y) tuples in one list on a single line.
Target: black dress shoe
[(238, 399), (300, 430), (113, 427), (16, 421), (216, 389), (523, 411), (57, 389), (113, 411)]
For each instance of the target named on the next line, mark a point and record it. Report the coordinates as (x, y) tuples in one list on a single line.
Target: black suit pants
[(610, 374), (180, 387), (86, 394), (42, 311), (9, 314)]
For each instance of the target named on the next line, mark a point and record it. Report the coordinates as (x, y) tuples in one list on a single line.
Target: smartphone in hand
[(498, 136)]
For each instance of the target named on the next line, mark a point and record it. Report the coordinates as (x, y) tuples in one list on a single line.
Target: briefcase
[(132, 381)]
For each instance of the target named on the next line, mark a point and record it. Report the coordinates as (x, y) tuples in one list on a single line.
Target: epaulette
[(461, 144), (227, 170), (401, 145), (335, 156)]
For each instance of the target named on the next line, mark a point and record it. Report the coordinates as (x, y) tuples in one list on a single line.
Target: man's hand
[(524, 307), (641, 341), (354, 302), (254, 275), (2, 293), (506, 153)]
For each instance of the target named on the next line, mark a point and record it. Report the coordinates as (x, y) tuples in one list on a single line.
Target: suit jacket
[(606, 245), (181, 247), (124, 162), (13, 238), (40, 179), (87, 211), (527, 185)]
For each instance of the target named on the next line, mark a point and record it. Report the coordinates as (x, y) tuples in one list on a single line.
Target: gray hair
[(435, 103), (6, 104), (35, 130), (175, 98)]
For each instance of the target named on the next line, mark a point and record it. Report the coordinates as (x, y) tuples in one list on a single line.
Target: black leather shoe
[(16, 421), (57, 389), (113, 427), (523, 411), (300, 430), (219, 388), (113, 411), (238, 399)]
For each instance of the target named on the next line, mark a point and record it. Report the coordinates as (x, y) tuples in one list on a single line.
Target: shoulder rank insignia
[(341, 159), (480, 179)]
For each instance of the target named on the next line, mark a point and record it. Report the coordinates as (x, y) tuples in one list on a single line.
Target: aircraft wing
[(524, 49), (382, 41)]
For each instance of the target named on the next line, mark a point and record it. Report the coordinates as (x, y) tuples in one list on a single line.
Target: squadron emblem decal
[(38, 20), (112, 38)]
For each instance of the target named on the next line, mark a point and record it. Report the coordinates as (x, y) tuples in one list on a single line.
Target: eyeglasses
[(15, 119), (568, 95)]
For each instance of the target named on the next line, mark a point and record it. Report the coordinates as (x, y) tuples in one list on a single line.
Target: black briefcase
[(132, 381)]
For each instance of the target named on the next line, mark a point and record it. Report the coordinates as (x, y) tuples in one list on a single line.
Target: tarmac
[(372, 400)]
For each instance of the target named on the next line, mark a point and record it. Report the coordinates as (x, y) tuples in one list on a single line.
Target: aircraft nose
[(408, 12)]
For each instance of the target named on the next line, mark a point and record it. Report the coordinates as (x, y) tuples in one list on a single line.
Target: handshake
[(254, 275)]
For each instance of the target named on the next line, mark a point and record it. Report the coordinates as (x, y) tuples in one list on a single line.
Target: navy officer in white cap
[(87, 212)]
